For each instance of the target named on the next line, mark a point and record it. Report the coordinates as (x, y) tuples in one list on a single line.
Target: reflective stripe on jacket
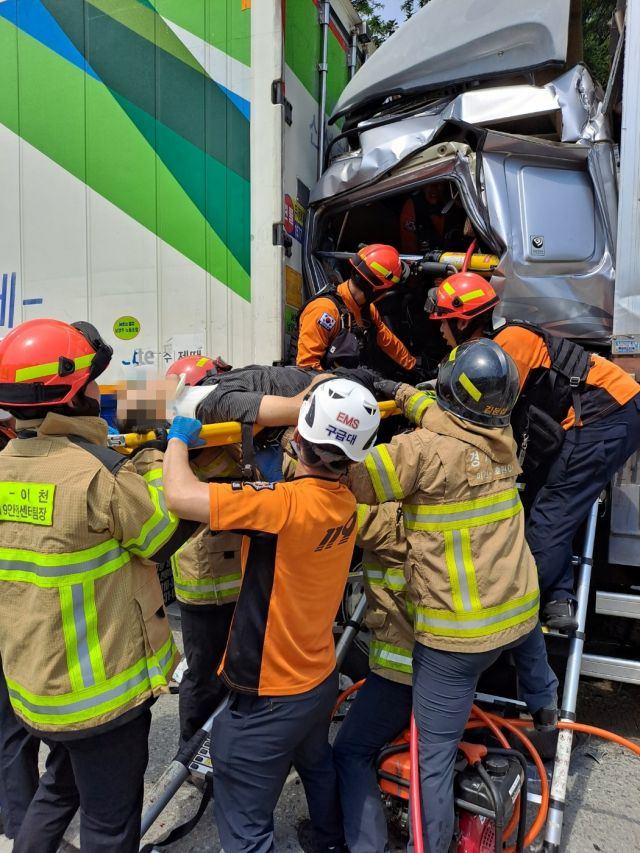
[(207, 568), (381, 536), (471, 575), (84, 637)]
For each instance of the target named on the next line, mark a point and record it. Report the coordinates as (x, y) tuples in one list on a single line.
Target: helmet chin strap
[(458, 334)]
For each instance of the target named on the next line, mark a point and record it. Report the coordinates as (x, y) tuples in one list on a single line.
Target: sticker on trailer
[(288, 214), (126, 328)]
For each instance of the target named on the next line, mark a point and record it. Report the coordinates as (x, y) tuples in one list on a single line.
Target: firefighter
[(280, 660), (18, 748), (382, 707), (471, 575), (578, 419), (341, 327), (206, 576), (84, 637)]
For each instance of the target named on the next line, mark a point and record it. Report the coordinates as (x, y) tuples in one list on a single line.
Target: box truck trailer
[(156, 160)]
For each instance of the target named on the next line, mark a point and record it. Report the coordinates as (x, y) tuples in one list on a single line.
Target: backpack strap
[(329, 292), (248, 453), (111, 459), (572, 362)]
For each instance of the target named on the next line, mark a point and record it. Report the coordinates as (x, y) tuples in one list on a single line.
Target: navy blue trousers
[(254, 742), (587, 461), (444, 684), (18, 764), (103, 775), (381, 711), (205, 628)]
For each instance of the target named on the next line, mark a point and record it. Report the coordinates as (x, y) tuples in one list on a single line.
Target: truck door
[(552, 206)]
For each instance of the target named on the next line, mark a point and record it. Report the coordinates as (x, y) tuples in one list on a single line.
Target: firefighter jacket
[(321, 320), (206, 569), (471, 576), (384, 550), (84, 637)]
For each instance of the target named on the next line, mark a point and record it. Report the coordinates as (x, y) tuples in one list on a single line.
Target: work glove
[(158, 443), (428, 385), (186, 430), (386, 388), (363, 375)]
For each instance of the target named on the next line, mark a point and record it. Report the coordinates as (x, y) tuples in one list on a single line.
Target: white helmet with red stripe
[(339, 418)]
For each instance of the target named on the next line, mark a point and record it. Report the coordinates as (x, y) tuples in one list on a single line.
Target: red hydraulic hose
[(415, 798), (494, 723), (590, 730), (467, 257)]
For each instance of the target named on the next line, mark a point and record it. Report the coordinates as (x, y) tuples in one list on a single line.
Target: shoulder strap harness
[(570, 365)]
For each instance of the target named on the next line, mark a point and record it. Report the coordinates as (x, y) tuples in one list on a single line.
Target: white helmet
[(340, 413)]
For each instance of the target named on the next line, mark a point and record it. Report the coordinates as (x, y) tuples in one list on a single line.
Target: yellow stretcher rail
[(215, 435)]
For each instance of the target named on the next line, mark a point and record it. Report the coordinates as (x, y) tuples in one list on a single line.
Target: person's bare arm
[(283, 411), (186, 496)]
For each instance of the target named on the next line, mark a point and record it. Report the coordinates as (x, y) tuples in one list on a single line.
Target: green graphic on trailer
[(116, 93), (303, 39)]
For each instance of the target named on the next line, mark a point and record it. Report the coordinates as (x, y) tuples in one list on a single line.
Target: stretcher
[(215, 435)]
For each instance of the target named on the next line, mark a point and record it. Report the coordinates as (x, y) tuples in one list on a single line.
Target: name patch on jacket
[(30, 503), (481, 469), (327, 321)]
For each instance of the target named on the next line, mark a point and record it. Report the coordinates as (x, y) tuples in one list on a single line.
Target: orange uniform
[(296, 552), (606, 388), (320, 324)]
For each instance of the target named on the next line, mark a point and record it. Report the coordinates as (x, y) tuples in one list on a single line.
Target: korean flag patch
[(327, 321)]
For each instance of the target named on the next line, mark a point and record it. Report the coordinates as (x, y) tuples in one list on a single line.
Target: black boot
[(560, 615)]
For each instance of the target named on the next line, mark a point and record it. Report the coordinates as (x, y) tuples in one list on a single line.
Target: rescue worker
[(471, 575), (18, 748), (280, 659), (341, 327), (431, 218), (382, 708), (578, 419), (206, 576), (84, 637)]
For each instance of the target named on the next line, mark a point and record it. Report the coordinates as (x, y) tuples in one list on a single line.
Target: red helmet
[(196, 368), (464, 295), (46, 362), (379, 265)]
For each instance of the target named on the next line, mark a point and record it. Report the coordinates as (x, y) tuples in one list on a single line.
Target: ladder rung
[(614, 669), (618, 604)]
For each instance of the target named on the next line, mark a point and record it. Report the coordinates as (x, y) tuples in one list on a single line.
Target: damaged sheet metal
[(551, 206), (580, 101), (381, 149), (571, 101), (441, 47)]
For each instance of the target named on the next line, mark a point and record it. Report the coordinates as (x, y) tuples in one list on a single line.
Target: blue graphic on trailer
[(7, 299)]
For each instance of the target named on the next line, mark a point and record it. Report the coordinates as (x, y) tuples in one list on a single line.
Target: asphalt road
[(603, 802)]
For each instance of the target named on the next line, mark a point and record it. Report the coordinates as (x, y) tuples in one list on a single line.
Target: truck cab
[(493, 133)]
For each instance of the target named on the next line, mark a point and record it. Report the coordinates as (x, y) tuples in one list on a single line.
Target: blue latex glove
[(186, 430), (112, 430)]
